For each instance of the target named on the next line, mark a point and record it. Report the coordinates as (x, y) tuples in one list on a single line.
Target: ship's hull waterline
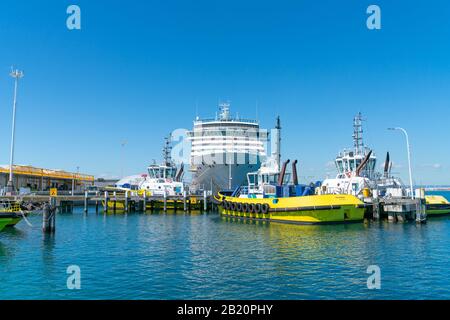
[(316, 209)]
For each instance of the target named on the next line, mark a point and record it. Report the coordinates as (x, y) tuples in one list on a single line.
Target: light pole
[(409, 158), (16, 74)]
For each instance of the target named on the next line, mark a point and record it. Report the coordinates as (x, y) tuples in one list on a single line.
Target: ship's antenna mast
[(277, 140), (224, 111), (167, 151), (358, 134)]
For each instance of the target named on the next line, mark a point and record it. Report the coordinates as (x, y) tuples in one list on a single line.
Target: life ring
[(251, 207), (258, 208), (264, 208), (239, 207), (245, 207)]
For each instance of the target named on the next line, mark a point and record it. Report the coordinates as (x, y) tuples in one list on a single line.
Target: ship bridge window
[(273, 179), (265, 178), (372, 164), (351, 165), (170, 172), (253, 179), (340, 166), (153, 173), (346, 166)]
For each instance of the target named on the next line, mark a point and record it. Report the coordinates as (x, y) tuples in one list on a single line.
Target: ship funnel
[(363, 163), (386, 165), (282, 173), (294, 172)]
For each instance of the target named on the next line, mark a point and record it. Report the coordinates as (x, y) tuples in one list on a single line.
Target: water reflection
[(5, 252), (14, 233), (205, 256), (48, 246)]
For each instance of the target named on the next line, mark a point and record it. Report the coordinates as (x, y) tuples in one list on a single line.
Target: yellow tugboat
[(266, 198), (437, 205)]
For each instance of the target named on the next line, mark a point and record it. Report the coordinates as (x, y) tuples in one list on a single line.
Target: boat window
[(340, 166), (372, 165), (170, 172), (351, 165), (252, 179), (153, 173), (273, 178)]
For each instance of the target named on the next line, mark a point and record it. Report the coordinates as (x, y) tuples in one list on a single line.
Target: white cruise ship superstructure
[(224, 150)]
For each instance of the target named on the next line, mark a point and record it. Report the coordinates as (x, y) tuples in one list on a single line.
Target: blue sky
[(139, 69)]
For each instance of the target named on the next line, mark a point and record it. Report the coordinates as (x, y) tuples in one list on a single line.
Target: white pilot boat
[(357, 173), (160, 179)]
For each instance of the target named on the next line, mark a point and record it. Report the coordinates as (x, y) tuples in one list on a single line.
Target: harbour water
[(205, 256)]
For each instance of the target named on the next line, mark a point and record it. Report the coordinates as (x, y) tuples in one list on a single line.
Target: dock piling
[(205, 203), (49, 217), (144, 200), (184, 201), (85, 201), (105, 205), (165, 201), (421, 212)]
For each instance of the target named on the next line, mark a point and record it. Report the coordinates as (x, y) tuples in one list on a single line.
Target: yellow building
[(39, 179)]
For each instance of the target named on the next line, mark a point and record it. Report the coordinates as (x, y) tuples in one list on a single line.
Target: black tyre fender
[(251, 207), (245, 207), (258, 208), (232, 206), (239, 207), (226, 205), (264, 208)]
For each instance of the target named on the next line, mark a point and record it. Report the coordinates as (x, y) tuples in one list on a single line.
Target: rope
[(25, 219)]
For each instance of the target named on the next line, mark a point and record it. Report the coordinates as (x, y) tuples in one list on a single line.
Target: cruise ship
[(224, 149)]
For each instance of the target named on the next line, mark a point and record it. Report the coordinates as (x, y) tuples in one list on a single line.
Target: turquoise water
[(205, 256)]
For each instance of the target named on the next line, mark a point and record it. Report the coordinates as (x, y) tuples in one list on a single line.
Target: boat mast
[(358, 134), (276, 143), (167, 151)]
